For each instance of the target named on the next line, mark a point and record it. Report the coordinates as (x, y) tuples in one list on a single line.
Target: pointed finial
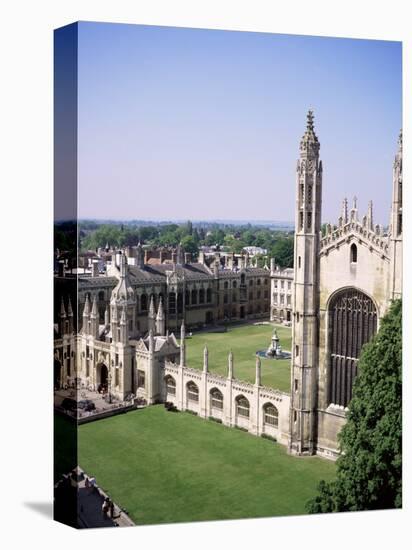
[(86, 310), (106, 316), (345, 210), (182, 345), (230, 365), (152, 313), (160, 312), (258, 371), (62, 309), (309, 145), (370, 215), (310, 118), (69, 308), (205, 359), (94, 307)]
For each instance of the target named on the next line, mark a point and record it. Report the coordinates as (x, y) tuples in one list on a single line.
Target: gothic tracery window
[(192, 392), (270, 415), (216, 399), (352, 323), (242, 406)]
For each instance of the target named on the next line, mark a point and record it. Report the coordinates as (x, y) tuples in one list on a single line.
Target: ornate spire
[(93, 314), (160, 312), (152, 313), (69, 308), (160, 319), (354, 210), (62, 310), (86, 310), (106, 317), (370, 216), (309, 145), (345, 211)]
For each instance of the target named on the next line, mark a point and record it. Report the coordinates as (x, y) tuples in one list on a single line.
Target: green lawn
[(171, 467), (244, 342)]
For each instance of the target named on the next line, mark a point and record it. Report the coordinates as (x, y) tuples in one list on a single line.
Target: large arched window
[(270, 415), (202, 296), (170, 385), (143, 302), (216, 399), (192, 392), (194, 296), (352, 323), (208, 295), (242, 406)]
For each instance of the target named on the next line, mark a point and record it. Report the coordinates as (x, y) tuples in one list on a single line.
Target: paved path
[(90, 515)]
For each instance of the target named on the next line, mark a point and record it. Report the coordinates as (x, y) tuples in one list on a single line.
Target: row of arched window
[(270, 412)]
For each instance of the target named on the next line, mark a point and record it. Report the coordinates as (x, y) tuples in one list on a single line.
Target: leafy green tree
[(282, 251), (369, 471), (189, 244)]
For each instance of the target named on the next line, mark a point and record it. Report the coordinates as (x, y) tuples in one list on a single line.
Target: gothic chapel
[(344, 280)]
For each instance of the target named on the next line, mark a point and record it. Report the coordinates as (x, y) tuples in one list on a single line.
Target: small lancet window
[(354, 253)]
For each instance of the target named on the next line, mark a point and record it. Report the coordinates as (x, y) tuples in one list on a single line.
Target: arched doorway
[(352, 323), (102, 377)]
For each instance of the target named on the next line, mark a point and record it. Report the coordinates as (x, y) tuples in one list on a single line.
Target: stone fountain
[(274, 350)]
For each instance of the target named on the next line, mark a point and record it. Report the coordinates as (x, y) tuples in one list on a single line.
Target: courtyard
[(244, 341), (167, 467)]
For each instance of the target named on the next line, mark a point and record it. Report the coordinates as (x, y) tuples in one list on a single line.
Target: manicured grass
[(171, 467), (244, 341)]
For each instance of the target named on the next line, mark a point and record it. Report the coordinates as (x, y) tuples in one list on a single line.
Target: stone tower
[(306, 294), (122, 321), (395, 283)]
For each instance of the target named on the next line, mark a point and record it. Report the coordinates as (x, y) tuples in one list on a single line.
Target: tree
[(189, 244), (282, 251), (369, 471)]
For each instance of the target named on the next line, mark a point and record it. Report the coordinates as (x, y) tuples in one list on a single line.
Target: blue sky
[(181, 123)]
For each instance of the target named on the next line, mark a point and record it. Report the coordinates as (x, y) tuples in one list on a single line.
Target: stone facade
[(344, 281), (281, 294)]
